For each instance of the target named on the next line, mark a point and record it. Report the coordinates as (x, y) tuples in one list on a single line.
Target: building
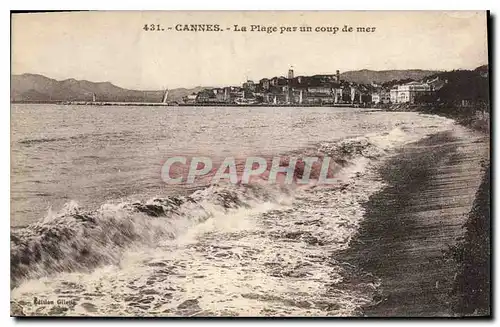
[(410, 92), (315, 98), (337, 95), (206, 96), (249, 86), (236, 93), (393, 95), (290, 74), (264, 84), (322, 79), (321, 94), (436, 83), (381, 97), (227, 94), (320, 89), (221, 94), (355, 96), (190, 99)]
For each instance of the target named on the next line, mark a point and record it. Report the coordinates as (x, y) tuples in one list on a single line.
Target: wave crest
[(76, 240)]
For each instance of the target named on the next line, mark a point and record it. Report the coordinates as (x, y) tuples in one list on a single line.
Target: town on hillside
[(318, 90)]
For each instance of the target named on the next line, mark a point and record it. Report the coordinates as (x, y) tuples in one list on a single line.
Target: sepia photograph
[(250, 164)]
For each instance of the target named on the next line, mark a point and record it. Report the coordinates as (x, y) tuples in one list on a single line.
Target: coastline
[(201, 104), (411, 225)]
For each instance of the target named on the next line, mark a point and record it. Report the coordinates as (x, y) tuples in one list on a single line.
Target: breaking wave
[(76, 240)]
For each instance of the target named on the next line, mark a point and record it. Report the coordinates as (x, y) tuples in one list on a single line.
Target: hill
[(366, 76), (33, 87)]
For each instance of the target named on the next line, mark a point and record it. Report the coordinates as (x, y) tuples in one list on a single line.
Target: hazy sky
[(112, 46)]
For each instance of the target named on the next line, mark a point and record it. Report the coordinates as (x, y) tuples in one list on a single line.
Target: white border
[(254, 5), (492, 5)]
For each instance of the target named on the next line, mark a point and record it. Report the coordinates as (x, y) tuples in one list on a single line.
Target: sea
[(96, 231)]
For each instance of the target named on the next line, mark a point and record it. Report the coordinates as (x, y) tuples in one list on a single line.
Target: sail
[(93, 97), (165, 96)]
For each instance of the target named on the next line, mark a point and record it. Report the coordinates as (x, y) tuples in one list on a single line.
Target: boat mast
[(165, 96)]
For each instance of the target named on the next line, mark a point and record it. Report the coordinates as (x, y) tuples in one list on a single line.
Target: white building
[(409, 92), (190, 99), (394, 95), (337, 95), (381, 97)]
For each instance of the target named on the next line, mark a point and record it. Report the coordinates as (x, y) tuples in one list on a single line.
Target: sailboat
[(93, 97), (165, 96)]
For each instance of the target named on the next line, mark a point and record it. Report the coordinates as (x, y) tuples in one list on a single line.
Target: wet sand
[(411, 223)]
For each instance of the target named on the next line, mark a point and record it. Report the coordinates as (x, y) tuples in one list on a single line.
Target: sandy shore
[(410, 224)]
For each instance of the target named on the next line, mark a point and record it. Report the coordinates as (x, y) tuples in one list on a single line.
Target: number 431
[(152, 27)]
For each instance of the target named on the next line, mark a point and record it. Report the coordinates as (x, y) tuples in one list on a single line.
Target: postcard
[(250, 164)]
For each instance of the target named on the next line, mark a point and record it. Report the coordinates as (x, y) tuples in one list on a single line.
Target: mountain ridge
[(39, 88)]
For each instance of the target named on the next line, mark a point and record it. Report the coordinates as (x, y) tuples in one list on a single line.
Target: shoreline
[(411, 224), (202, 104)]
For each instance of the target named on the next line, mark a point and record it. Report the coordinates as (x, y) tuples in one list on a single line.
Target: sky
[(114, 47)]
